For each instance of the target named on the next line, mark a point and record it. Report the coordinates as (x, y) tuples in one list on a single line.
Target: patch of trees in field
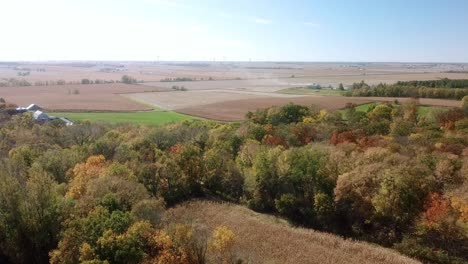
[(26, 73), (9, 82), (178, 88), (13, 82), (94, 193), (178, 79), (97, 81), (186, 79), (445, 88), (128, 79)]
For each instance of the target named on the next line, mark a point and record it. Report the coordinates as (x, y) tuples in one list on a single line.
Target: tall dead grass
[(267, 239)]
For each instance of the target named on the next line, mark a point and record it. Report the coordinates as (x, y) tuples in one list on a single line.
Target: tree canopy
[(96, 193)]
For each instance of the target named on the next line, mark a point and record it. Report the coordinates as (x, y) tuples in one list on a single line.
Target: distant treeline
[(12, 82), (187, 64), (443, 83), (178, 79), (97, 81), (8, 82), (444, 88), (455, 71), (273, 68), (185, 79)]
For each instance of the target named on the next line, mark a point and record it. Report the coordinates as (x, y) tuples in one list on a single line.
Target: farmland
[(235, 110), (268, 72), (179, 99), (220, 91), (99, 97), (308, 91), (145, 118)]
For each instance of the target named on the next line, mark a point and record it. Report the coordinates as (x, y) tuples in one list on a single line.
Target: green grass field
[(309, 91), (144, 118), (422, 110)]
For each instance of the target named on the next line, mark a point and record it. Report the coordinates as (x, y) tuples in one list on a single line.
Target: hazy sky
[(313, 30)]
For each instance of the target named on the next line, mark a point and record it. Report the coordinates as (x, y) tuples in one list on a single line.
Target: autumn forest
[(96, 193)]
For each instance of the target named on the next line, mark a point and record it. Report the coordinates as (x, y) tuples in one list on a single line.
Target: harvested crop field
[(272, 84), (371, 78), (267, 239), (264, 85), (153, 72), (235, 110), (97, 97), (218, 104), (221, 91), (178, 99)]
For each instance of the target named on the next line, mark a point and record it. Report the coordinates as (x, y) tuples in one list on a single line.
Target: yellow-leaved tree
[(222, 245), (83, 173)]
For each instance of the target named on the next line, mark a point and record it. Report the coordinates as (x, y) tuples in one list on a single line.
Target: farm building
[(20, 110), (33, 108), (64, 120), (40, 116), (30, 108)]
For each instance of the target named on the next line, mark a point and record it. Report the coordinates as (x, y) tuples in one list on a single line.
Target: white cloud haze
[(262, 21)]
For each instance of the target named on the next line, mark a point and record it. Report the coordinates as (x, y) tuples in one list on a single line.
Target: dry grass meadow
[(267, 239)]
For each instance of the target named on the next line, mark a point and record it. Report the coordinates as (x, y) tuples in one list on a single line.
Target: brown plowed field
[(94, 97), (235, 110)]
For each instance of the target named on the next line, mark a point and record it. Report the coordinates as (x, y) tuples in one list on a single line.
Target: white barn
[(33, 108)]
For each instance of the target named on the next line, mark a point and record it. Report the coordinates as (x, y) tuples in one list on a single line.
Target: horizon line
[(231, 61)]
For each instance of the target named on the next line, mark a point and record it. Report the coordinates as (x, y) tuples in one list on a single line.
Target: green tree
[(300, 175), (381, 112), (465, 104), (221, 175), (401, 127), (128, 79), (341, 87), (128, 247), (30, 215), (267, 185)]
